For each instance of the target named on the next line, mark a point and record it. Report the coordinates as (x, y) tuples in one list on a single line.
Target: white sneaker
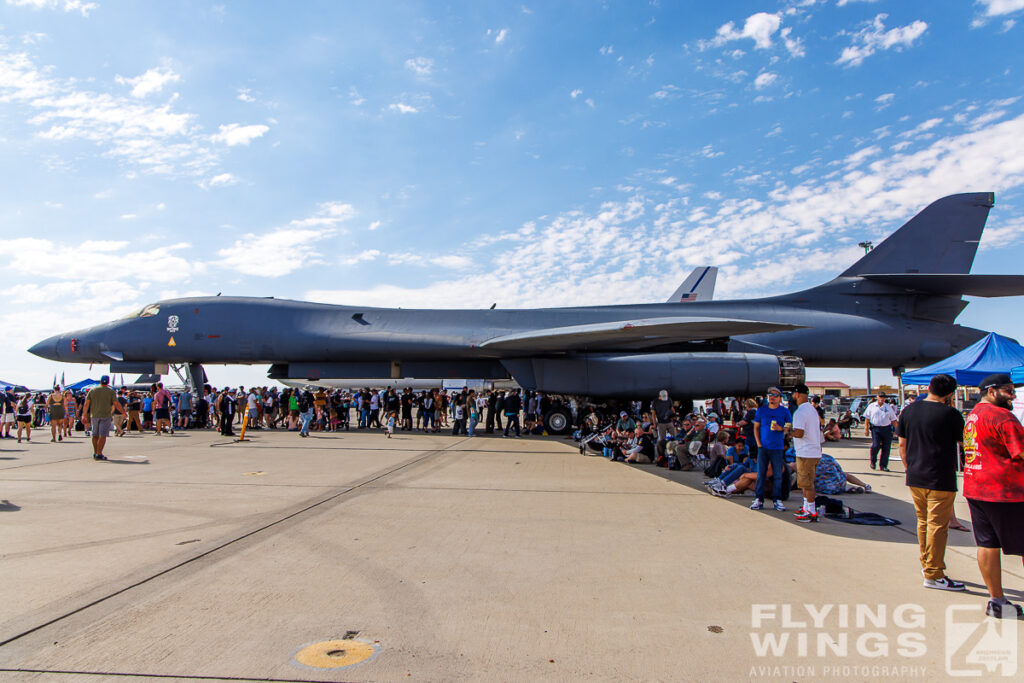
[(757, 505), (779, 507)]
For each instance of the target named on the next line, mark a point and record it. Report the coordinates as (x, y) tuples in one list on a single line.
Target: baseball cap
[(999, 379), (105, 379), (801, 389), (775, 390), (623, 414)]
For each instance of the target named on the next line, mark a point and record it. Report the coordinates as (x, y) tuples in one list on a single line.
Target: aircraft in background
[(894, 307)]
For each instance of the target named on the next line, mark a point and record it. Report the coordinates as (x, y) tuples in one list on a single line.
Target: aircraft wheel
[(558, 421)]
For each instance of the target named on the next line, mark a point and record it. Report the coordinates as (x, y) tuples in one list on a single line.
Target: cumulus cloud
[(605, 254), (236, 134), (421, 66), (96, 260), (80, 6), (402, 108), (219, 180), (576, 93), (244, 95), (153, 81), (873, 37), (995, 8), (884, 100), (154, 137), (765, 79), (286, 249), (500, 36), (367, 255), (758, 27)]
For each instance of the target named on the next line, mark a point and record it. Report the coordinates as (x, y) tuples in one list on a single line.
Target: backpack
[(715, 467)]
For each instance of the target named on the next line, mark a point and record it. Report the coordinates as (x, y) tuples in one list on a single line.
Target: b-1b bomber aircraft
[(894, 307)]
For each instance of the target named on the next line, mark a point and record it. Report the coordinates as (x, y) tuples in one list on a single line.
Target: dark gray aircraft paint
[(894, 307)]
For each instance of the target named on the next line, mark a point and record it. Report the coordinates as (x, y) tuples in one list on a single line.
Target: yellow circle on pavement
[(333, 654)]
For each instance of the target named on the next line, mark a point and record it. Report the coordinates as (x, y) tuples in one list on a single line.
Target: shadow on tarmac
[(852, 456), (8, 506)]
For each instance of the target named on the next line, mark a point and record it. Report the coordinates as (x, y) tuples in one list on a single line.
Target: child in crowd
[(391, 423)]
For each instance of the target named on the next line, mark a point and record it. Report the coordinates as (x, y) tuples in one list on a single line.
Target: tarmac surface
[(353, 557)]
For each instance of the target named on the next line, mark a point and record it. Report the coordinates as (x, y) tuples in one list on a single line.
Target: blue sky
[(428, 154)]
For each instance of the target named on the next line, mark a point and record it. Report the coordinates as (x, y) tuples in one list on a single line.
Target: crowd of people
[(756, 444), (157, 410)]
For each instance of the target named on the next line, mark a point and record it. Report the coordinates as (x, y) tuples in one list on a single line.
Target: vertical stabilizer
[(942, 238), (698, 286)]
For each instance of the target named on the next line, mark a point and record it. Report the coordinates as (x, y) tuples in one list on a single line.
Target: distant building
[(828, 388)]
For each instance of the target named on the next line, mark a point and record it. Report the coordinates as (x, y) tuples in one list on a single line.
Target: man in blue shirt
[(770, 424)]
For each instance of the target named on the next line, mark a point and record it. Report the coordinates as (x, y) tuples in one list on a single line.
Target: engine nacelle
[(684, 375)]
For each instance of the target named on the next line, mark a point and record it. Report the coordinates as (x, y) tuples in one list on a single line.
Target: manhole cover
[(334, 654)]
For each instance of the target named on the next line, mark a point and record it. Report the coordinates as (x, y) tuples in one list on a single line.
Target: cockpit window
[(150, 311)]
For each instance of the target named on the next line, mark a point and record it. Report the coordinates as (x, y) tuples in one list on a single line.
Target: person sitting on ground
[(832, 431), (831, 480), (845, 423), (747, 481), (625, 426), (738, 451), (641, 448)]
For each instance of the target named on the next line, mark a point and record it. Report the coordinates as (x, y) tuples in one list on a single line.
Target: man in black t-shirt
[(929, 431), (663, 411)]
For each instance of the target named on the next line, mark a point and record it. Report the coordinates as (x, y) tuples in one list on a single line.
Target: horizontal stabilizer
[(631, 333), (955, 285)]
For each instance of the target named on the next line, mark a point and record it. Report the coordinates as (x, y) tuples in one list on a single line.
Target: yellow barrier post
[(245, 423)]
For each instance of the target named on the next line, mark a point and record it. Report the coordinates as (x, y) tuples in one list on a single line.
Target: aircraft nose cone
[(46, 349)]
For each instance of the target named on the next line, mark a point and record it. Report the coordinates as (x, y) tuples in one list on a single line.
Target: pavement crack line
[(161, 676), (302, 511)]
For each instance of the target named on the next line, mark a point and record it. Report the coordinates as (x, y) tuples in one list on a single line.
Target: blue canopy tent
[(993, 353), (86, 383), (20, 388)]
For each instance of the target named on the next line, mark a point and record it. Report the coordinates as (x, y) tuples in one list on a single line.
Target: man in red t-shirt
[(994, 485)]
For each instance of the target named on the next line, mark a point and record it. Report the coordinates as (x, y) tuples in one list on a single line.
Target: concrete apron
[(355, 558)]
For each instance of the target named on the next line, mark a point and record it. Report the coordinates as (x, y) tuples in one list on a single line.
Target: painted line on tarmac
[(347, 490), (186, 677), (500, 490)]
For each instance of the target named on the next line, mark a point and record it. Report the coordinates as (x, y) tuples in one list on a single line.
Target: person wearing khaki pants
[(930, 431), (933, 513)]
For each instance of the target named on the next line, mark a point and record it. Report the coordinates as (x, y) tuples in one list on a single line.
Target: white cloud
[(128, 216), (995, 8), (153, 81), (765, 79), (236, 134), (501, 35), (97, 260), (156, 138), (354, 97), (667, 92), (884, 100), (219, 180), (758, 27), (367, 255), (421, 66), (777, 130), (842, 3), (873, 37), (607, 49), (245, 96), (605, 255), (286, 249), (921, 128), (403, 108), (373, 226), (83, 8), (576, 93)]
